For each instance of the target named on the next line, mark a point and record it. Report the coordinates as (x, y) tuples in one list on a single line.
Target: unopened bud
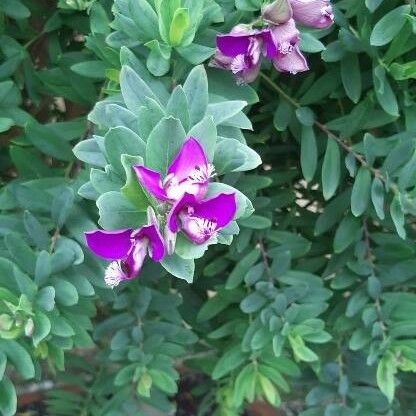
[(277, 12), (29, 327)]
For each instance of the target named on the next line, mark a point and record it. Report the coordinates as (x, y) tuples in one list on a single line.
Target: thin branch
[(331, 135), (265, 259)]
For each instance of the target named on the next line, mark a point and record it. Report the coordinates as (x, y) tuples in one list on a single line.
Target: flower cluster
[(240, 51), (181, 200)]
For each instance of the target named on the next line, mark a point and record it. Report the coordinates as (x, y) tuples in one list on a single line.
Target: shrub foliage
[(308, 303)]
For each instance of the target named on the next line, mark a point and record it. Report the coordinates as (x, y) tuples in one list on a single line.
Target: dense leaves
[(306, 299)]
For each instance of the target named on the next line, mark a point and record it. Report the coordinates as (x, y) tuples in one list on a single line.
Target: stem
[(330, 134), (265, 259), (369, 256)]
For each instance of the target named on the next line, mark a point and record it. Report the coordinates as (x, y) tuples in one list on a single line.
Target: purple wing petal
[(156, 242), (270, 47), (110, 245), (135, 260), (221, 208), (190, 156), (233, 44), (292, 62), (313, 13), (172, 221), (151, 181)]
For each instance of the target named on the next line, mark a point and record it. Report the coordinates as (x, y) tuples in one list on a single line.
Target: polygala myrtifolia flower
[(240, 51), (127, 248), (183, 209), (190, 172), (201, 220)]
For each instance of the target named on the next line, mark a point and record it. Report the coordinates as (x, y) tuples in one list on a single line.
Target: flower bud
[(29, 327), (277, 12)]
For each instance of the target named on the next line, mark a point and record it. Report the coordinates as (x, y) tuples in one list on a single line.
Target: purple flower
[(288, 57), (240, 52), (127, 249), (189, 173), (201, 220), (313, 13)]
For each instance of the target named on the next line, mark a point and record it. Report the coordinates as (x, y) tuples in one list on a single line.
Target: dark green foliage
[(309, 302)]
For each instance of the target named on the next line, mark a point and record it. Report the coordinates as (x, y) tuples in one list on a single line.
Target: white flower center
[(199, 175), (114, 274), (285, 47), (201, 228)]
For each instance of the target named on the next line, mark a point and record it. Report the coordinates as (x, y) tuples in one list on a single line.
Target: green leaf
[(164, 143), (331, 169), (386, 370), (48, 142), (384, 93), (36, 231), (117, 212), (270, 392), (389, 26), (8, 398), (134, 89), (360, 196), (351, 76), (377, 197), (19, 357), (3, 364), (309, 43), (89, 152), (46, 298), (253, 302), (132, 189), (224, 110), (229, 361), (205, 131), (196, 90), (119, 141), (308, 153), (21, 252), (256, 222), (179, 25), (62, 205), (179, 267), (5, 124), (90, 69), (300, 350), (42, 328), (163, 381), (397, 216), (65, 292), (158, 60), (177, 106), (348, 231), (306, 116), (145, 19)]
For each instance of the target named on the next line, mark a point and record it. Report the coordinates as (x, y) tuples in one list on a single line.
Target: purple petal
[(270, 47), (135, 259), (277, 12), (110, 245), (285, 35), (156, 243), (233, 44), (292, 62), (221, 208), (313, 13), (172, 220), (151, 181), (190, 156)]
